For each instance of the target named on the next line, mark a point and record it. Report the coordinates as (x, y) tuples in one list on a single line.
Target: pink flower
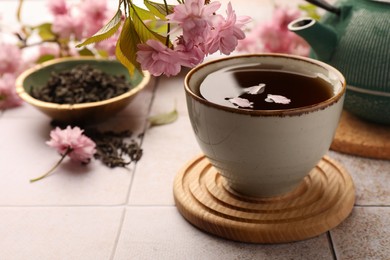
[(48, 49), (58, 7), (70, 142), (73, 142), (94, 14), (10, 58), (109, 45), (278, 40), (273, 36), (192, 54), (68, 26), (193, 9), (8, 96), (227, 32), (159, 59), (195, 18)]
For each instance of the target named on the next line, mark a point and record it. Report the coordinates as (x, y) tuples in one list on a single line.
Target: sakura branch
[(70, 142), (144, 42)]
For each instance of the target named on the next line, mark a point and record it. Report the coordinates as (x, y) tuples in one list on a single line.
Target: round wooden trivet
[(358, 137), (323, 200)]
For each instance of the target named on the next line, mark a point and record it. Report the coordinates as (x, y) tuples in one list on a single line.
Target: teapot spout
[(322, 39)]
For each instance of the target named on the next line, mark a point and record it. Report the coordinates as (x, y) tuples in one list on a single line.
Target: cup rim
[(280, 112)]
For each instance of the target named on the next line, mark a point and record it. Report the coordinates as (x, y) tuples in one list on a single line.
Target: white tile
[(162, 233), (170, 94), (58, 233), (24, 155), (371, 178), (139, 106), (166, 150), (364, 235), (24, 111)]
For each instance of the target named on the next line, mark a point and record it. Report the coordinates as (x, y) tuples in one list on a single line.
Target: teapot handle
[(325, 5)]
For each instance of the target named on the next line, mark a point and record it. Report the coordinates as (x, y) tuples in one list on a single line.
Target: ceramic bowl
[(264, 153), (90, 112)]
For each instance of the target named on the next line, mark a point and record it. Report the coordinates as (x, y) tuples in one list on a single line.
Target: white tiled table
[(99, 213)]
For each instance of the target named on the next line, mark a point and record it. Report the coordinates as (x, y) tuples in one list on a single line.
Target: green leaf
[(44, 31), (102, 53), (44, 58), (86, 52), (164, 118), (158, 9), (144, 32), (310, 10), (106, 32), (126, 47)]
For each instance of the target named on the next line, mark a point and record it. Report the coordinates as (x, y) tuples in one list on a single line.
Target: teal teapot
[(354, 37)]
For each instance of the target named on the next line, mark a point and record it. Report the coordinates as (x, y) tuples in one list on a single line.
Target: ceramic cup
[(265, 153)]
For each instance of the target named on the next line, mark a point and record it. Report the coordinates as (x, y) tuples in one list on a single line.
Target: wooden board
[(358, 137), (324, 199)]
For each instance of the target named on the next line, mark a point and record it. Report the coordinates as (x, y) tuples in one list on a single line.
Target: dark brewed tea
[(261, 87)]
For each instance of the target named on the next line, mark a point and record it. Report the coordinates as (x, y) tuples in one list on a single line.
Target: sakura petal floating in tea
[(277, 99), (240, 102), (255, 89)]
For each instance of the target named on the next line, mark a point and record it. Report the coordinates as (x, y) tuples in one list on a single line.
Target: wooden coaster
[(323, 200), (358, 137)]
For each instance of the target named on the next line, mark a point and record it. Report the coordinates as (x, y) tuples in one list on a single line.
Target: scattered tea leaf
[(115, 149)]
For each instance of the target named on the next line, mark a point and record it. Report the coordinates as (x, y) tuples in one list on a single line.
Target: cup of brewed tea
[(264, 121)]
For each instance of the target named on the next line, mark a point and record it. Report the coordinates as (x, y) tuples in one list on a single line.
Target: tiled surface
[(59, 232), (94, 212), (176, 239)]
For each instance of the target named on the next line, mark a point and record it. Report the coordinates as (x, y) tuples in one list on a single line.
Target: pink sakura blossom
[(227, 32), (194, 17), (48, 49), (109, 45), (73, 142), (8, 96), (70, 142), (158, 59), (192, 55), (203, 32), (58, 7), (185, 13), (273, 36), (95, 14), (10, 58), (68, 26)]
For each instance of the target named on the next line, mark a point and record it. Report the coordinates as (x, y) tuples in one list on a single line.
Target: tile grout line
[(122, 220), (142, 137), (119, 232), (331, 245), (371, 206)]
